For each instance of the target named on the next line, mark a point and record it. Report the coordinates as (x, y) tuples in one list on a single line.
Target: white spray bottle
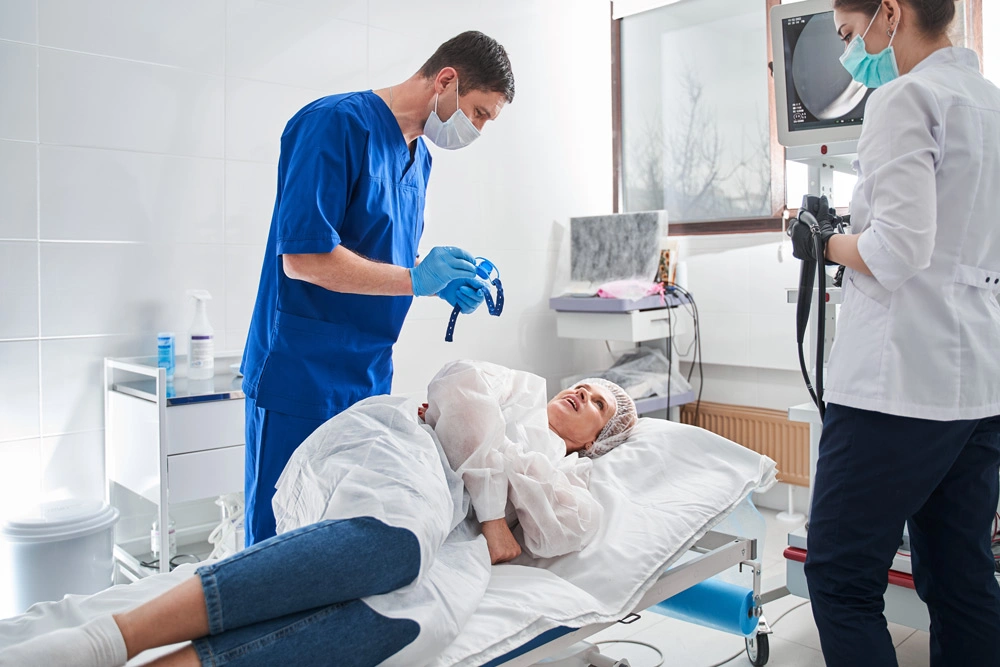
[(201, 348)]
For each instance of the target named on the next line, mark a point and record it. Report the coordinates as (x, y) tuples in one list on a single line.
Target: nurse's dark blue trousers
[(875, 473), (271, 437)]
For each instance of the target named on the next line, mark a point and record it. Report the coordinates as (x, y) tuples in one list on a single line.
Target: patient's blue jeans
[(295, 598), (876, 472)]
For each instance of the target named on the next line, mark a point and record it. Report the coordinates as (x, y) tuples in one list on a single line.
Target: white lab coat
[(493, 426), (922, 337)]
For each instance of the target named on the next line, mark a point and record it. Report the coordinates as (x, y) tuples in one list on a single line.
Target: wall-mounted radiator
[(766, 432)]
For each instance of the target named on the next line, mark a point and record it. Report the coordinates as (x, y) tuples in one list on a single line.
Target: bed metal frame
[(717, 552)]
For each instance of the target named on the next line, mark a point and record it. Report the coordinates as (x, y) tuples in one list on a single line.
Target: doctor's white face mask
[(456, 132)]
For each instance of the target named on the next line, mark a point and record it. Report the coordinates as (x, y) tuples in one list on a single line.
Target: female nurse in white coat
[(912, 434)]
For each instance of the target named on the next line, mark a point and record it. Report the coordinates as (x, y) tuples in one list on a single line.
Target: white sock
[(97, 643)]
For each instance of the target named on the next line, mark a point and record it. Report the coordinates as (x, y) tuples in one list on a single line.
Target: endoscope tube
[(820, 319)]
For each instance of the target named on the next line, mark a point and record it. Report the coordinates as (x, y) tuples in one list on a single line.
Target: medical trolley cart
[(168, 443), (641, 321)]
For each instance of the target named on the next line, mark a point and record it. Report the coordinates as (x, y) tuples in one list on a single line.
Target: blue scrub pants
[(295, 599), (271, 437), (875, 473)]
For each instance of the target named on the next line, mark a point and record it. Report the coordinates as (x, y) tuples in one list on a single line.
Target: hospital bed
[(669, 496), (717, 552)]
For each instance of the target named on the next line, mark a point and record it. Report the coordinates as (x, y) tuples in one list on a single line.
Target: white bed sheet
[(662, 490)]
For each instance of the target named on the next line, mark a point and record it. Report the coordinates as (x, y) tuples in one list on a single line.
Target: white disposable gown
[(379, 459), (494, 428)]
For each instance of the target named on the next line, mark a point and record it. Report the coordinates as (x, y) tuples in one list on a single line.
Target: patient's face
[(578, 414)]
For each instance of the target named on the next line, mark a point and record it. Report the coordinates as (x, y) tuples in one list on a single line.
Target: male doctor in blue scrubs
[(341, 265)]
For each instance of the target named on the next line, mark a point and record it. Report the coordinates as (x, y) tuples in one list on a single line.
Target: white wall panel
[(180, 33), (449, 17), (103, 195), (98, 288), (102, 102), (19, 277), (308, 48), (19, 483), (18, 190), (256, 115), (19, 390), (251, 188), (72, 466), (19, 110), (19, 20), (71, 377), (243, 266)]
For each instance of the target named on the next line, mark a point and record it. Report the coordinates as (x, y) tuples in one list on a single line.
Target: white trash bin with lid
[(61, 547)]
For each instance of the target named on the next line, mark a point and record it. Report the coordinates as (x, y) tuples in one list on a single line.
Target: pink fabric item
[(629, 289)]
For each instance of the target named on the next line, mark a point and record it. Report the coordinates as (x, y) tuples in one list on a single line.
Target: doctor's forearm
[(843, 249), (349, 273)]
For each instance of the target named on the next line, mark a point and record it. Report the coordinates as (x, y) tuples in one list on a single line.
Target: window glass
[(695, 120)]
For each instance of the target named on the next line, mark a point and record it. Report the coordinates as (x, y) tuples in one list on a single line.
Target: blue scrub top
[(345, 176)]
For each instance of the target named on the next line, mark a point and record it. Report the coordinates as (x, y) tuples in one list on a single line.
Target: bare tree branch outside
[(696, 139)]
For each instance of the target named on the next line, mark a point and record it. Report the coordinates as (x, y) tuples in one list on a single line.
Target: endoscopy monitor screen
[(819, 91)]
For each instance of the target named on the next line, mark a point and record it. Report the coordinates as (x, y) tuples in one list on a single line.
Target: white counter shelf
[(171, 443)]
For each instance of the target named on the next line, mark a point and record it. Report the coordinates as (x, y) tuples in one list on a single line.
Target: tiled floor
[(795, 642)]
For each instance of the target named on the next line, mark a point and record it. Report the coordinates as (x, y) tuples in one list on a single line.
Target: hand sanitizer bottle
[(201, 348)]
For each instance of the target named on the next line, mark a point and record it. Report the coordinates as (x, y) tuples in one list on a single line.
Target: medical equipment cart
[(641, 321), (169, 443)]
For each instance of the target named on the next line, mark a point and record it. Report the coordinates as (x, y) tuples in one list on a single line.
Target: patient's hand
[(503, 546)]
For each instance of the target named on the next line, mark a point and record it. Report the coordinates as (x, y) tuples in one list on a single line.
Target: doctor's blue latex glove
[(442, 265), (466, 293)]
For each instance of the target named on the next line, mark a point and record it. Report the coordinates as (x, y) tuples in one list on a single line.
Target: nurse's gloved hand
[(441, 266), (466, 293)]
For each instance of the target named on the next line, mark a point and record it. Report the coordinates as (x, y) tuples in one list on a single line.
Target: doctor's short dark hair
[(933, 16), (481, 62)]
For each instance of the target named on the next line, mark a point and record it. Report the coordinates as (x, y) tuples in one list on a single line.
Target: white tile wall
[(18, 113), (180, 33), (19, 20), (18, 190), (19, 395), (19, 276), (128, 196), (138, 152), (19, 478), (748, 327), (250, 188), (308, 48), (243, 265), (71, 368), (72, 466), (104, 102), (120, 288), (256, 113)]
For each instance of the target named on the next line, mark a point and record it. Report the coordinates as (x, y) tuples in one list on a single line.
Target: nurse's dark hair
[(481, 62), (933, 16)]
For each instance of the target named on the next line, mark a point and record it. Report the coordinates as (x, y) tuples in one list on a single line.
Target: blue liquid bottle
[(165, 353)]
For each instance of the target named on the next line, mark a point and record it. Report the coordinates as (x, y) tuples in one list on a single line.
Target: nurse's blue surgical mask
[(456, 132), (871, 70)]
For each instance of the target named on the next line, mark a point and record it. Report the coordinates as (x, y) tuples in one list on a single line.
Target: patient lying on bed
[(376, 556), (520, 459)]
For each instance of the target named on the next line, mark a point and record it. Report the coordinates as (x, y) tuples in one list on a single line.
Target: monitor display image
[(819, 91)]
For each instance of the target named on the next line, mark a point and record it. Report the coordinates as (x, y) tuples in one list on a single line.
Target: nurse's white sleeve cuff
[(889, 270)]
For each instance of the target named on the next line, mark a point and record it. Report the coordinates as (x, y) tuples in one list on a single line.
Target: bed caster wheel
[(758, 649)]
